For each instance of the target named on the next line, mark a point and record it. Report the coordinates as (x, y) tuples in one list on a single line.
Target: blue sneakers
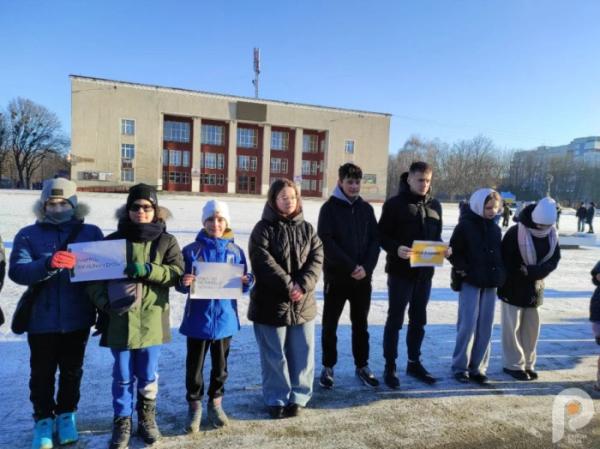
[(66, 428), (42, 434)]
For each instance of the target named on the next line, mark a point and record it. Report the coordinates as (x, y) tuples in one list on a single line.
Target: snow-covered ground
[(450, 415)]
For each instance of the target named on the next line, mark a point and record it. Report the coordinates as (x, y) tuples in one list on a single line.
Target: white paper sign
[(105, 259), (217, 281)]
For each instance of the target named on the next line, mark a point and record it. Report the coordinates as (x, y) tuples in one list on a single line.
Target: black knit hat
[(142, 192)]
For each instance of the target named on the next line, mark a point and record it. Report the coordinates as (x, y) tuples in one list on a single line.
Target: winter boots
[(194, 417), (42, 434), (215, 413), (121, 432), (147, 429), (66, 428)]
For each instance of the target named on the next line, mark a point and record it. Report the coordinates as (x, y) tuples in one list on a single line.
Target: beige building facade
[(181, 140)]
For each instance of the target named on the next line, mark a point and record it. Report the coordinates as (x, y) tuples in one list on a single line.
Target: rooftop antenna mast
[(256, 70)]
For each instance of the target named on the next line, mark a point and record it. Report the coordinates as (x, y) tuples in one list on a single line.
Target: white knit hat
[(544, 212), (60, 188), (212, 207), (477, 200)]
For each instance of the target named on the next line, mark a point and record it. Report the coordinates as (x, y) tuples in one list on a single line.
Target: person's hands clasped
[(63, 259), (359, 273), (296, 293)]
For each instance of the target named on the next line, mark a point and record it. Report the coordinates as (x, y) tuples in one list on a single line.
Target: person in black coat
[(348, 229), (531, 252), (411, 215), (581, 215), (2, 273), (478, 267), (286, 256), (595, 315), (590, 214)]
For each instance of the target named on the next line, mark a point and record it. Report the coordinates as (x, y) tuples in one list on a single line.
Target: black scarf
[(141, 232)]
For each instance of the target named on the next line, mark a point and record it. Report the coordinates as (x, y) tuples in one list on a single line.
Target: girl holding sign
[(286, 256), (209, 324), (478, 270), (136, 332)]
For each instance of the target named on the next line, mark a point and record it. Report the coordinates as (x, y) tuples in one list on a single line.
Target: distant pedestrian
[(558, 212), (595, 315), (591, 212), (506, 213), (530, 252), (477, 261), (581, 215)]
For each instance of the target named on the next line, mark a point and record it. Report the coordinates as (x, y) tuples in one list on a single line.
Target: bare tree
[(34, 133)]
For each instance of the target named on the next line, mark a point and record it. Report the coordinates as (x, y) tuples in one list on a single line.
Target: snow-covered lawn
[(450, 415)]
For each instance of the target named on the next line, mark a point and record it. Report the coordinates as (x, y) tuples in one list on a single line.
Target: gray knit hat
[(60, 188)]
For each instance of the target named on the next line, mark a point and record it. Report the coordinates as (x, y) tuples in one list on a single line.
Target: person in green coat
[(135, 311)]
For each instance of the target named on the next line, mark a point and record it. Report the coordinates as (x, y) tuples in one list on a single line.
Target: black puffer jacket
[(348, 231), (477, 250), (283, 252), (520, 290), (595, 301), (405, 218)]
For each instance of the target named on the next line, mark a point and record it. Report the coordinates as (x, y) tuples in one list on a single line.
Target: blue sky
[(524, 73)]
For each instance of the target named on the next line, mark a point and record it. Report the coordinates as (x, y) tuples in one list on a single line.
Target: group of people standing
[(585, 215), (287, 256)]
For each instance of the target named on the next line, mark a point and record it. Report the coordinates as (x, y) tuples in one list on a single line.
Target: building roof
[(224, 96)]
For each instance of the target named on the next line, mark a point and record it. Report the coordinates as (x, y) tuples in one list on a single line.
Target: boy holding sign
[(209, 324)]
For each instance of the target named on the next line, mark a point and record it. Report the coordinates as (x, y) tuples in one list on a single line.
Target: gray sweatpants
[(474, 329), (520, 332)]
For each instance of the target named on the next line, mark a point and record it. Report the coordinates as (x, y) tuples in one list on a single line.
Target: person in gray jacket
[(286, 256)]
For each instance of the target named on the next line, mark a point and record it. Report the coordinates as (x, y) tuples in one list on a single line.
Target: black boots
[(121, 432), (147, 429)]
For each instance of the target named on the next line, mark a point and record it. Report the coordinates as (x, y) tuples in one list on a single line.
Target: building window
[(314, 168), (127, 151), (176, 131), (211, 179), (349, 146), (313, 184), (279, 165), (175, 158), (128, 127), (305, 168), (127, 174), (213, 161), (247, 137), (247, 163), (165, 159), (309, 143), (179, 177), (284, 165), (280, 140), (305, 184), (213, 135), (186, 158)]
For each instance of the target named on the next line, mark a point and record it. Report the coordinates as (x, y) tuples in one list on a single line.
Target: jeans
[(132, 364), (49, 352), (402, 292), (358, 295), (474, 329), (287, 358), (194, 363)]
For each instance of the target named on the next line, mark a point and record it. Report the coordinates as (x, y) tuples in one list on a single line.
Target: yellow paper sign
[(428, 254)]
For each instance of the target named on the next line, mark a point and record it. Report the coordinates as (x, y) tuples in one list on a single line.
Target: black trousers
[(49, 352), (194, 364), (402, 292), (358, 294)]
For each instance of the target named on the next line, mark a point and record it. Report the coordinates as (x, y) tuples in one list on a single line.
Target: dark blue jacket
[(211, 319), (61, 306), (595, 301)]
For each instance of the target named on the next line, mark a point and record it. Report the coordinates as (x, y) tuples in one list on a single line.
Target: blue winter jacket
[(211, 319), (61, 306)]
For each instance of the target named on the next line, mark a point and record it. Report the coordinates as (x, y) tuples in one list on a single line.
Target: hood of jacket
[(477, 200), (339, 194), (525, 216), (205, 239), (270, 215), (79, 212)]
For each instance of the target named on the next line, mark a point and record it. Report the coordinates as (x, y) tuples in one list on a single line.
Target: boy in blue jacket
[(209, 324)]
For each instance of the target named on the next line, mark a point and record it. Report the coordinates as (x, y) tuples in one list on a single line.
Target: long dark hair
[(277, 186)]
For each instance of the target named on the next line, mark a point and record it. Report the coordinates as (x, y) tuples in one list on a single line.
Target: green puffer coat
[(148, 324)]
